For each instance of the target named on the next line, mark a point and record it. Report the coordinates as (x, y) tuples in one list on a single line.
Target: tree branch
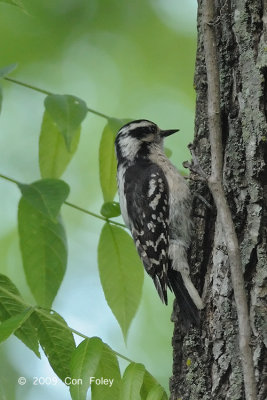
[(215, 183)]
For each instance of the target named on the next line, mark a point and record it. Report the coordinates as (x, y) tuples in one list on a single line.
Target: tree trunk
[(207, 361)]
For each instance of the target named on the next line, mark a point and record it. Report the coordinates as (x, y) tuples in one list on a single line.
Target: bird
[(155, 203)]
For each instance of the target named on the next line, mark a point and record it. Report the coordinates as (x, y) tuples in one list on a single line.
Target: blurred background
[(128, 60)]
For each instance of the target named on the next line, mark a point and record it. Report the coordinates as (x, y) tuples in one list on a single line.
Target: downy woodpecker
[(155, 205)]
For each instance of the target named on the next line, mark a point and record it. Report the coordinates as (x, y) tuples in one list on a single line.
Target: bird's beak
[(168, 132)]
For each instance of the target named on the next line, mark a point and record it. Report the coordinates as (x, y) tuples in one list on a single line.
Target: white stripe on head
[(135, 124)]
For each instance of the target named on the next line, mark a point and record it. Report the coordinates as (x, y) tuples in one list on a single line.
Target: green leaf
[(107, 158), (67, 112), (9, 68), (108, 368), (16, 3), (6, 247), (46, 195), (156, 393), (121, 274), (1, 98), (84, 364), (11, 324), (54, 156), (152, 388), (11, 303), (132, 381), (44, 252), (168, 152), (56, 340), (110, 209)]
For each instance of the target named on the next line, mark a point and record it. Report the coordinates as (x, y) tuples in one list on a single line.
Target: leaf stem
[(87, 337), (47, 315), (28, 86), (73, 205), (93, 214), (98, 113), (9, 179), (43, 91)]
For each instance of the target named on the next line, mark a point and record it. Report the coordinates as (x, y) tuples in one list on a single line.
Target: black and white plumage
[(155, 205)]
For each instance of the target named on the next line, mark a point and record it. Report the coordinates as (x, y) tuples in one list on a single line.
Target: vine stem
[(46, 92), (72, 205), (215, 182)]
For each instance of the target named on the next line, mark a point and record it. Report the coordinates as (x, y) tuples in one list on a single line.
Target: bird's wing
[(147, 199)]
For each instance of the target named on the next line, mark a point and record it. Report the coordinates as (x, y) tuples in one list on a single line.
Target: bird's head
[(138, 137)]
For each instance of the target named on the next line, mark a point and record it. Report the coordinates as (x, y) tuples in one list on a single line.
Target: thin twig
[(7, 178), (215, 182), (94, 214), (35, 88), (43, 91), (73, 205), (45, 313)]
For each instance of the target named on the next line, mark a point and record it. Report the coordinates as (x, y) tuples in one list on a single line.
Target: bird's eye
[(153, 129)]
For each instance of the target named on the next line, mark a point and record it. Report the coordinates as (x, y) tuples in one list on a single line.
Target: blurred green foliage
[(124, 59)]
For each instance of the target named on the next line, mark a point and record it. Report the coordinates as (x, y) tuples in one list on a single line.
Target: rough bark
[(207, 361)]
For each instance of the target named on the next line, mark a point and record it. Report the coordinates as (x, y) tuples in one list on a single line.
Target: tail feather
[(161, 287), (188, 309)]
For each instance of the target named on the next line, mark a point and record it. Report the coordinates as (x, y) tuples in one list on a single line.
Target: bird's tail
[(189, 303), (161, 286)]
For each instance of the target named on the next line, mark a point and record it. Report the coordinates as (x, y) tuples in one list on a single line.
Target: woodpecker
[(155, 204)]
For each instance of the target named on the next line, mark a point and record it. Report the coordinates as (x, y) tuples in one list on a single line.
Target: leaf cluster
[(43, 245)]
